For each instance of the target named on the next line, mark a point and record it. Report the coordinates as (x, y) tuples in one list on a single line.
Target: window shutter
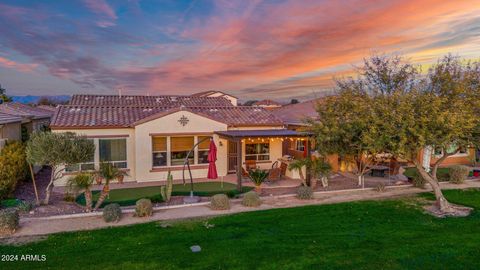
[(205, 144), (159, 144), (181, 143)]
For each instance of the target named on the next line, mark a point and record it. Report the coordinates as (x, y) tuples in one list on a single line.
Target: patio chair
[(275, 172), (283, 169), (250, 164)]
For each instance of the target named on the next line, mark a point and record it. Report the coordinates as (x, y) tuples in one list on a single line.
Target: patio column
[(308, 175), (239, 165)]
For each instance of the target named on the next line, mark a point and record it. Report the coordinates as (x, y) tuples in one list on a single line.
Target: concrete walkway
[(43, 226)]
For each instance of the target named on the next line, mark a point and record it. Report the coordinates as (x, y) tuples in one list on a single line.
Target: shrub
[(258, 176), (112, 212), (25, 206), (220, 202), (304, 192), (13, 167), (380, 187), (458, 174), (418, 181), (251, 199), (166, 191), (143, 208), (9, 219)]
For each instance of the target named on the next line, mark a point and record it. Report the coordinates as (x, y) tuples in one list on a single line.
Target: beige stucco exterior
[(139, 145), (11, 131)]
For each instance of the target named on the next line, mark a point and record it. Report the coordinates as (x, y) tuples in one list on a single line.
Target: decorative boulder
[(219, 202), (143, 208), (251, 199), (112, 213)]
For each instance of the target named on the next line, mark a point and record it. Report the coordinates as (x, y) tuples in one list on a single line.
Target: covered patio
[(250, 149)]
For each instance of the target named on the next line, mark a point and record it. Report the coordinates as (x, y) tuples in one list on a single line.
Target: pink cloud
[(4, 62), (102, 8)]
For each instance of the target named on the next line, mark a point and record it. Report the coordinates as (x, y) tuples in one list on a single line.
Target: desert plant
[(13, 167), (107, 173), (143, 208), (251, 199), (418, 181), (25, 206), (304, 192), (9, 220), (57, 150), (380, 187), (83, 182), (166, 191), (258, 177), (297, 165), (112, 212), (458, 174), (219, 202)]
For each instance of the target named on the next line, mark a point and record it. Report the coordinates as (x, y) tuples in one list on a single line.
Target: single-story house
[(33, 118), (214, 93), (267, 103), (150, 135), (10, 128)]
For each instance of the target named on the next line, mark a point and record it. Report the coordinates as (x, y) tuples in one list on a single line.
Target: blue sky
[(253, 49)]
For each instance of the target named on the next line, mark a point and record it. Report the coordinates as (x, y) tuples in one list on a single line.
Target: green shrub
[(9, 220), (112, 212), (304, 192), (251, 199), (219, 202), (417, 180), (380, 187), (25, 206), (143, 208), (458, 174), (13, 167)]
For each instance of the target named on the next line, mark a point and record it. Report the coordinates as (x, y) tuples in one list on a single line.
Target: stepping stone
[(195, 249)]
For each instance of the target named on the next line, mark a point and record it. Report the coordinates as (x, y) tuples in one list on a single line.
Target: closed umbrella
[(212, 157)]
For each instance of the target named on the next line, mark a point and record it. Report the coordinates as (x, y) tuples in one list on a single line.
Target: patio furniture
[(275, 172), (250, 164), (378, 171), (283, 169)]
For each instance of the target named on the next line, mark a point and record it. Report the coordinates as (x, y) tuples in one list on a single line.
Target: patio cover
[(239, 134)]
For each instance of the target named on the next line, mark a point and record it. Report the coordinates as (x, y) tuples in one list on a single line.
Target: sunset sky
[(253, 49)]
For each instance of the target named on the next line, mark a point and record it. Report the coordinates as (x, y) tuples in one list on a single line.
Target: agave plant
[(258, 177), (107, 173), (83, 182)]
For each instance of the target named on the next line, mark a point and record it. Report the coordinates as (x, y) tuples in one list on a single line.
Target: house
[(232, 99), (10, 128), (148, 136), (33, 118), (267, 103)]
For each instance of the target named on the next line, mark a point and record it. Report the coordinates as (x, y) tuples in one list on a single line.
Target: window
[(79, 167), (450, 149), (159, 146), (180, 146), (203, 148), (300, 145), (113, 151), (257, 151)]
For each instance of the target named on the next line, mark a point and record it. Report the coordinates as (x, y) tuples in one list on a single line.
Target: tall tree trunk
[(441, 202), (49, 187), (103, 196), (88, 199)]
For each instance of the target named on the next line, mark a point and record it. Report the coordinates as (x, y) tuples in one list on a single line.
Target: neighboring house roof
[(266, 102), (211, 92), (23, 110), (78, 116), (8, 118), (163, 101), (295, 114), (47, 107)]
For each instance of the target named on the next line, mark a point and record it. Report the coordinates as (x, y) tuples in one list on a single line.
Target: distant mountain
[(34, 99)]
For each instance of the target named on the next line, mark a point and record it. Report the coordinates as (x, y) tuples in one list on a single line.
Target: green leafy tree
[(57, 150), (249, 102), (3, 95), (107, 173), (13, 167), (83, 182)]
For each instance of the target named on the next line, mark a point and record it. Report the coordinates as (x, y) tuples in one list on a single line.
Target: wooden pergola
[(238, 135)]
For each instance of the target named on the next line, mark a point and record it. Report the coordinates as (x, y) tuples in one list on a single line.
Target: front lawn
[(128, 196), (391, 234), (442, 173)]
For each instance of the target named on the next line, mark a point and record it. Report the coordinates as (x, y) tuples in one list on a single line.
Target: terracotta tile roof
[(8, 118), (162, 101), (294, 114), (211, 92), (78, 116), (23, 110)]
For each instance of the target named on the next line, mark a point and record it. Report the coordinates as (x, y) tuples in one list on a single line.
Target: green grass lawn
[(442, 173), (392, 234), (128, 196)]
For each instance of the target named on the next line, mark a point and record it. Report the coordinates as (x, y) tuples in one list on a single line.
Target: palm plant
[(107, 173), (258, 177), (297, 165), (321, 170), (83, 181), (316, 166)]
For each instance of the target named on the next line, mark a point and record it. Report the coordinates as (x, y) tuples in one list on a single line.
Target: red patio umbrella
[(212, 157)]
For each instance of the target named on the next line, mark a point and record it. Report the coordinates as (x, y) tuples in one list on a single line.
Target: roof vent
[(214, 110), (147, 110), (158, 99), (73, 110), (257, 110), (100, 97), (129, 98), (173, 98)]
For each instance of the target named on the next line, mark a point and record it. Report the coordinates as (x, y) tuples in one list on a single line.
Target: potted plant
[(258, 177)]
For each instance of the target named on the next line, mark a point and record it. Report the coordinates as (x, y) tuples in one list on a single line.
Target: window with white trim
[(82, 167), (438, 152), (257, 151), (300, 145), (159, 147), (113, 151), (203, 149)]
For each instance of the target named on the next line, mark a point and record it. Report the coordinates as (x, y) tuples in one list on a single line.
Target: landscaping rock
[(195, 249)]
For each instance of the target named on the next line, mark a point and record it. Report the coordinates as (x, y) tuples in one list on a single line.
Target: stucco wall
[(458, 159)]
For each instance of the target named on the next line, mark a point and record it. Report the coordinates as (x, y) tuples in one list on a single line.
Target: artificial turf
[(389, 234), (128, 196)]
